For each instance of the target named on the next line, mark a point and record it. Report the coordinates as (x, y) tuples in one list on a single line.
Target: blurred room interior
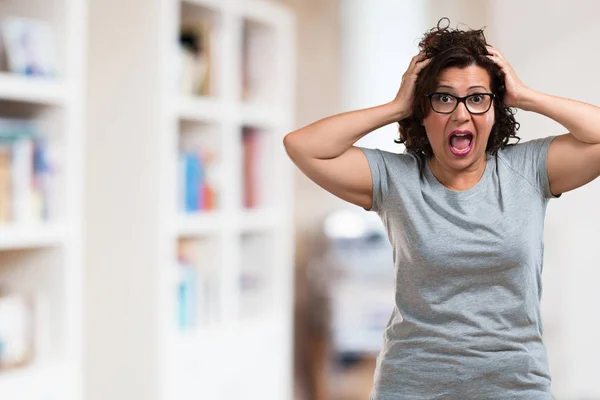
[(155, 241)]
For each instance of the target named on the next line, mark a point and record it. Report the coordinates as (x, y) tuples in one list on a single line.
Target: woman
[(464, 210)]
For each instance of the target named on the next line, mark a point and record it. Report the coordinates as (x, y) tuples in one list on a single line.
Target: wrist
[(527, 99), (395, 112)]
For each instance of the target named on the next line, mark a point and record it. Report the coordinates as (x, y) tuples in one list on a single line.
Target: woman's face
[(441, 128)]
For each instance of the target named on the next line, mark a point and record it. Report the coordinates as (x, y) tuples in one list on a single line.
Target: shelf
[(202, 337), (210, 110), (268, 321), (200, 109), (48, 381), (211, 222), (257, 220), (261, 116), (262, 11), (215, 5), (199, 337), (31, 90), (13, 237), (203, 223)]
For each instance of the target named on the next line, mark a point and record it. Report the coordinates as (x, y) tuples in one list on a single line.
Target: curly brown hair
[(455, 48)]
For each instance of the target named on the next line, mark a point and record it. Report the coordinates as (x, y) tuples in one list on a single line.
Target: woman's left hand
[(515, 89)]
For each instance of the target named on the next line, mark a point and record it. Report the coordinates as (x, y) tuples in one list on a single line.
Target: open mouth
[(460, 143)]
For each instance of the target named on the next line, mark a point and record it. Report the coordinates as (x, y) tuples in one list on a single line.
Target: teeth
[(461, 151)]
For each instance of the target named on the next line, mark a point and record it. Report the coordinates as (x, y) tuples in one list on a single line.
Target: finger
[(499, 63), (424, 62), (493, 58), (418, 67), (495, 52), (414, 65), (416, 71), (417, 58)]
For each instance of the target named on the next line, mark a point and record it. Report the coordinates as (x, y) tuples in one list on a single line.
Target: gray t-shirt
[(466, 320)]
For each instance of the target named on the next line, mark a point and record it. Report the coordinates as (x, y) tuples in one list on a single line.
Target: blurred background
[(156, 242)]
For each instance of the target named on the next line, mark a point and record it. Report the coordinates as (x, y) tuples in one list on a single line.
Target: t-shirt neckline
[(464, 193)]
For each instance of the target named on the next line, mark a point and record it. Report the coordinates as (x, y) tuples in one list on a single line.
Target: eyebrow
[(472, 87)]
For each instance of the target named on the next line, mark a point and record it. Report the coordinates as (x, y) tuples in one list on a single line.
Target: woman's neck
[(458, 180)]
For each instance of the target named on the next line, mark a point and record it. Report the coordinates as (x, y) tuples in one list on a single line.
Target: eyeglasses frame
[(461, 100)]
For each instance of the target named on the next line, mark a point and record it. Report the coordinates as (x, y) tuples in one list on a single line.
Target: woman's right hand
[(405, 97)]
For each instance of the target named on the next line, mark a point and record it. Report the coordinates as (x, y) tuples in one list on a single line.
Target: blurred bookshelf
[(32, 90), (227, 194), (41, 142), (189, 226), (17, 236)]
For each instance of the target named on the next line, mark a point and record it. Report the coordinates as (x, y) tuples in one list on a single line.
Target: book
[(256, 153), (197, 181), (249, 170), (26, 173), (195, 59), (5, 183)]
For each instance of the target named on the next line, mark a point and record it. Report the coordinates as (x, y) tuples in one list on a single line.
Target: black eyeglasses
[(446, 103)]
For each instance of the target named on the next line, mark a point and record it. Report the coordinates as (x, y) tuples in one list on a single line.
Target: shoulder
[(519, 151), (389, 172), (528, 160), (392, 161)]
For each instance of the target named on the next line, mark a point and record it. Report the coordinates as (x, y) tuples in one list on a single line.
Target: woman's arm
[(582, 120), (573, 159), (332, 136), (324, 151)]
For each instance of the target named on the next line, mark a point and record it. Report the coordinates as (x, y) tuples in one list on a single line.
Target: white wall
[(378, 43)]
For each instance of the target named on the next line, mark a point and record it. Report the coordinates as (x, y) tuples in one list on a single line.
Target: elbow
[(289, 144), (297, 147)]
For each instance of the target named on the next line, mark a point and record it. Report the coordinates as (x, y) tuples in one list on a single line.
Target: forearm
[(332, 136), (582, 120)]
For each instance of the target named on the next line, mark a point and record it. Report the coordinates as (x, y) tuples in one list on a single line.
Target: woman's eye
[(444, 98), (476, 99)]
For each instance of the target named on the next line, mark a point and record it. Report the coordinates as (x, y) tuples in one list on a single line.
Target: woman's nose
[(461, 112)]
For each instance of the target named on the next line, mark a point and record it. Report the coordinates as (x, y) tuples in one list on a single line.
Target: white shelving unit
[(32, 90), (42, 259), (16, 236), (244, 350), (240, 345)]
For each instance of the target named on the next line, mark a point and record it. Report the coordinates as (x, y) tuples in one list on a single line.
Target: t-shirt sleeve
[(380, 177), (529, 159)]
